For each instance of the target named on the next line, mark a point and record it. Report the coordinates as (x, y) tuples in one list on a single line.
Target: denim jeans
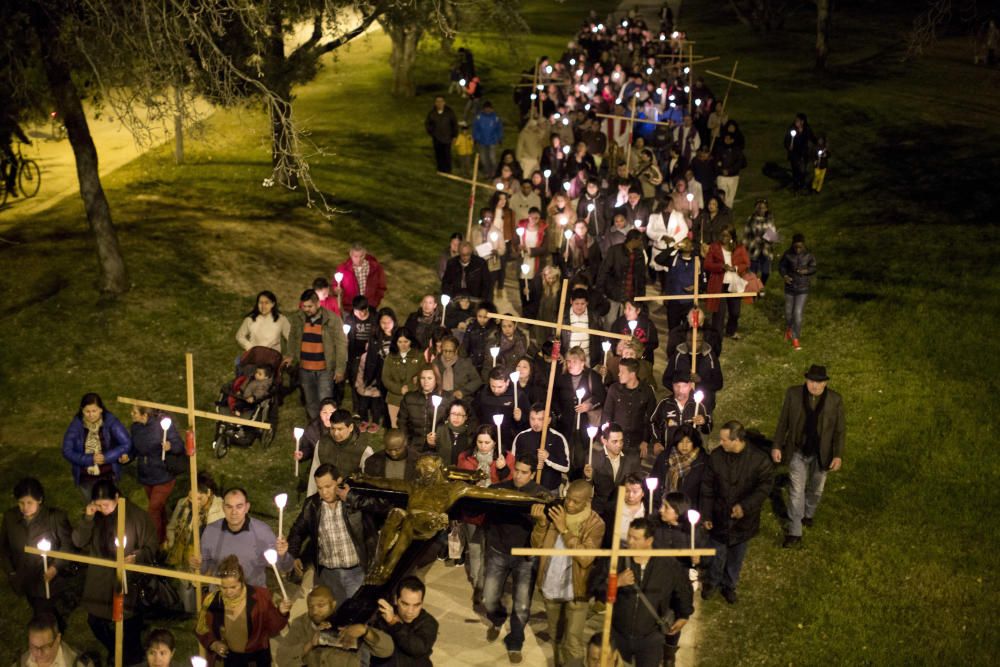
[(474, 554), (499, 566), (343, 581), (762, 268), (794, 305), (726, 564), (807, 479), (316, 385), (487, 162)]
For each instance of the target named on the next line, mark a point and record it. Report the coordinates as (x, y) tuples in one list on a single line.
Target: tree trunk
[(178, 128), (282, 149), (404, 54), (823, 11), (114, 278)]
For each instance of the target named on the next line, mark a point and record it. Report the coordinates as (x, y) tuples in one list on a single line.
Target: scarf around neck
[(678, 467)]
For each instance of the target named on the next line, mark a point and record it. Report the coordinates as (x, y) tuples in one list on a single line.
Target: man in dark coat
[(412, 629), (442, 125), (810, 438), (638, 628), (467, 272), (607, 473), (395, 461), (736, 485), (623, 272)]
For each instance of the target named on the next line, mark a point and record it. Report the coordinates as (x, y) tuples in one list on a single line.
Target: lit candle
[(436, 402), (693, 518), (494, 237), (637, 223), (498, 419), (165, 426), (347, 329), (690, 197), (525, 268), (651, 484), (124, 574), (567, 235), (606, 346), (591, 432), (44, 546), (271, 556), (494, 352), (281, 500), (298, 433), (339, 277), (632, 324), (699, 396), (198, 661), (445, 300), (579, 401), (547, 173), (500, 186), (515, 377)]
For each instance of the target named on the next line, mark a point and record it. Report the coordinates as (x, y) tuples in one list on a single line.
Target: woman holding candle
[(726, 262), (398, 370), (149, 442), (644, 330), (96, 444), (418, 418), (95, 535), (237, 622), (484, 455), (26, 525), (532, 248), (493, 233), (513, 343)]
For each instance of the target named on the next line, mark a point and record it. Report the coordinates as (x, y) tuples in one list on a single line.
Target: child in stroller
[(253, 394)]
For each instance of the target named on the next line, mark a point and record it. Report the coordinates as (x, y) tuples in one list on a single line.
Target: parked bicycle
[(26, 182)]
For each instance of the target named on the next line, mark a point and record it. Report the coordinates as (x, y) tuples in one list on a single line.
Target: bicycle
[(28, 180)]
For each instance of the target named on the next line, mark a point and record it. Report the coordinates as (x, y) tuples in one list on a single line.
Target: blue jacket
[(114, 440), (487, 129), (147, 443)]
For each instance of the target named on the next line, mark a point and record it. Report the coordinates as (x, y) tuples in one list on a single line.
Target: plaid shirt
[(361, 273), (336, 548)]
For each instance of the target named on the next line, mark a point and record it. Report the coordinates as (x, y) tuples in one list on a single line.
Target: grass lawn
[(898, 568)]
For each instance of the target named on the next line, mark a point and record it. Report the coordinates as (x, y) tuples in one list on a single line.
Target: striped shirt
[(311, 352)]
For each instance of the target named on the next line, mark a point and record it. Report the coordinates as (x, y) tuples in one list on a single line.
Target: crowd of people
[(621, 212)]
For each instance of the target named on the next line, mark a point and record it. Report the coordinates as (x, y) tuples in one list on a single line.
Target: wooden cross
[(725, 100), (614, 553), (472, 195), (121, 567), (192, 449), (467, 181), (559, 326), (695, 296)]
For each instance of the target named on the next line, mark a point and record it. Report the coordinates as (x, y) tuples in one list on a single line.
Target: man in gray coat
[(810, 438)]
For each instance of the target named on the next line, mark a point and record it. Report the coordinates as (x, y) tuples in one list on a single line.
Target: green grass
[(899, 569), (202, 239)]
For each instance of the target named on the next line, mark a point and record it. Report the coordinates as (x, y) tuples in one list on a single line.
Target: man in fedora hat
[(810, 438)]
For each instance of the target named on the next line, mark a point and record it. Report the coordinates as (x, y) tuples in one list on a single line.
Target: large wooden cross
[(121, 568), (472, 194), (559, 326), (695, 297), (614, 553), (192, 449), (725, 100)]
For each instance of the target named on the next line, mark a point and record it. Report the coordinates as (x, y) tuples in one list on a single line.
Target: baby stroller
[(264, 410)]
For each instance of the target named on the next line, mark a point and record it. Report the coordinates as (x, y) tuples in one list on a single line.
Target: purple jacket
[(115, 441)]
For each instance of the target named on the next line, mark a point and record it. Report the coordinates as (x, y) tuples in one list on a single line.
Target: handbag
[(753, 283), (157, 595), (177, 464)]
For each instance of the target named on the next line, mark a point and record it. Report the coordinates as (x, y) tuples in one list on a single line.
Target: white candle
[(498, 419), (591, 432), (297, 432), (281, 500), (690, 197), (606, 346), (547, 173), (271, 556), (699, 396), (693, 518), (515, 377), (567, 235), (124, 573), (632, 324), (579, 401), (494, 352), (445, 300), (525, 268), (436, 402), (339, 277), (637, 223), (165, 426), (44, 546), (347, 329), (651, 484), (198, 661)]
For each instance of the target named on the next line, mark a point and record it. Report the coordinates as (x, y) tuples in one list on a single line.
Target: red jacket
[(715, 264), (264, 618), (538, 248), (467, 461), (374, 287)]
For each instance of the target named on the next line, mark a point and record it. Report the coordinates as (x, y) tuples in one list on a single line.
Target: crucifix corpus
[(729, 87), (614, 553), (559, 326), (695, 297), (122, 568), (191, 447)]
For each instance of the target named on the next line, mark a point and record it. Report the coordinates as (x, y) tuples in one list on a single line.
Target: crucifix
[(695, 297), (615, 552), (559, 326), (192, 449), (121, 567), (725, 100)]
